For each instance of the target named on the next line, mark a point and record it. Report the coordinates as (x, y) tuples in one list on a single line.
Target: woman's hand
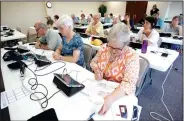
[(56, 56), (107, 104), (98, 75)]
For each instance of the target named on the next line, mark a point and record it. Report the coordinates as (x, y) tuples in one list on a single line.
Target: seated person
[(83, 20), (174, 27), (89, 19), (148, 32), (56, 17), (71, 49), (49, 21), (50, 24), (95, 27), (129, 21), (117, 62), (75, 19), (106, 18), (142, 19), (181, 19), (158, 21), (49, 39)]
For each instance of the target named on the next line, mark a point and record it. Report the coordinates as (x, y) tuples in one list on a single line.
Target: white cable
[(162, 99)]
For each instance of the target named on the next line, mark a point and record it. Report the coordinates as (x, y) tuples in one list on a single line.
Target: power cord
[(34, 84), (162, 99)]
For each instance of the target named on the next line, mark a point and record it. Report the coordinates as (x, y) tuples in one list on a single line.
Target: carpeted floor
[(150, 97)]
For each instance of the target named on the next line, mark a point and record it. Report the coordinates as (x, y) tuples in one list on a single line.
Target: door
[(136, 9)]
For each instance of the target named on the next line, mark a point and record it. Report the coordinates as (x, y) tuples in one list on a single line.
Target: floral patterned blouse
[(124, 70), (74, 44)]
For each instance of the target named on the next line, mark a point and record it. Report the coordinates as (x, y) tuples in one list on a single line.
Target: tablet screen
[(68, 80)]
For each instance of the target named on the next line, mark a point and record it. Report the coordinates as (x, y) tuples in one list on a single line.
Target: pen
[(91, 116)]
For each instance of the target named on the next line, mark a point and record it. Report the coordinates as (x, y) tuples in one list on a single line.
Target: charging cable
[(162, 99)]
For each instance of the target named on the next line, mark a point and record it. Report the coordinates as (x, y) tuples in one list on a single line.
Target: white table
[(166, 39), (157, 62), (107, 24), (17, 35), (77, 107), (172, 41)]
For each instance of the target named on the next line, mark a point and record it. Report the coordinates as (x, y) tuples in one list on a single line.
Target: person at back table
[(158, 21), (71, 49), (107, 19), (75, 19), (83, 20), (142, 19), (117, 62), (148, 32), (174, 28), (154, 10), (95, 27), (56, 17), (50, 24), (49, 39), (130, 22)]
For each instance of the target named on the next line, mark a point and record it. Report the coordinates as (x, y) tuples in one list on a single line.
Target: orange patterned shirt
[(124, 69)]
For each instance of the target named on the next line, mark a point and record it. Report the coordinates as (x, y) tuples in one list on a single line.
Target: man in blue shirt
[(75, 19)]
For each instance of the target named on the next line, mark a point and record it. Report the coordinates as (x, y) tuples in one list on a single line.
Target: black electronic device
[(12, 55), (84, 35), (22, 49), (41, 60), (135, 45), (164, 54), (165, 34), (135, 30), (67, 84), (48, 115)]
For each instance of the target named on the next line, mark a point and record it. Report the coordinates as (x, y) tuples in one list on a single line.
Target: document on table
[(10, 96), (102, 88)]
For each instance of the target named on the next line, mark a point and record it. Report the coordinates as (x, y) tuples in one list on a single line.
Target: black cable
[(53, 70), (35, 84)]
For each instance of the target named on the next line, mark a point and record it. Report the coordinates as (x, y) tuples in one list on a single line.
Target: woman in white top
[(148, 32)]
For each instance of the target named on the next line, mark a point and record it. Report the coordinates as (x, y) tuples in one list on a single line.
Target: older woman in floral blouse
[(117, 62)]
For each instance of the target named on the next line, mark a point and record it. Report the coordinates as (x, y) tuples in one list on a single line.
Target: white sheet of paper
[(10, 96)]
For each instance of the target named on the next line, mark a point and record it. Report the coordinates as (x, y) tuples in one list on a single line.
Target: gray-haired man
[(49, 39)]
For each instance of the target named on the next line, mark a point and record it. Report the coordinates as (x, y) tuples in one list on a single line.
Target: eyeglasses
[(116, 49), (38, 29)]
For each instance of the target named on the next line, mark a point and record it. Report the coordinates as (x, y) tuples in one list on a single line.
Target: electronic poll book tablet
[(67, 84)]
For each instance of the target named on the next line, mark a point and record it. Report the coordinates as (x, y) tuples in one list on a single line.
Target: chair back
[(88, 51), (159, 42), (144, 67)]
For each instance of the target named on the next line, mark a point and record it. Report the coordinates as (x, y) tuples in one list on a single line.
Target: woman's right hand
[(98, 75), (56, 56)]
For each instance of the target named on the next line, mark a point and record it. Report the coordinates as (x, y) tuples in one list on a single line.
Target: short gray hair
[(42, 25), (119, 33), (65, 20)]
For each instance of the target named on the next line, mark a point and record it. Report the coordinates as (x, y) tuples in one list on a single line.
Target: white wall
[(162, 6), (116, 7), (22, 14), (175, 9), (76, 8)]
